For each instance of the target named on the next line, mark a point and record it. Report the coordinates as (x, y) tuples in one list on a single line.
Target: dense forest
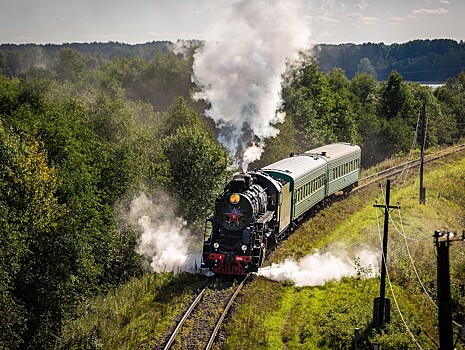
[(419, 60), (85, 128)]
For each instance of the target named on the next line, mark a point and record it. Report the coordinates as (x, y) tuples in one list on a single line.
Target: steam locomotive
[(260, 208)]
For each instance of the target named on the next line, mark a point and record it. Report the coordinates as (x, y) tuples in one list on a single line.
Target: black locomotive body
[(258, 209)]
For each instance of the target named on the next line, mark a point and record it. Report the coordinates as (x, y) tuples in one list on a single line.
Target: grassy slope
[(325, 317), (281, 316), (132, 317)]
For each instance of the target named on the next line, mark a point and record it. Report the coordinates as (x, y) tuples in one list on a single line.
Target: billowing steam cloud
[(241, 65), (317, 269), (163, 237)]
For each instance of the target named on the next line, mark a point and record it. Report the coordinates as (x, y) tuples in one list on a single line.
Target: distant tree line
[(417, 60), (79, 140)]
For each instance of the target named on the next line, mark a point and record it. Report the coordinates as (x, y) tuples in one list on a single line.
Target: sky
[(140, 21)]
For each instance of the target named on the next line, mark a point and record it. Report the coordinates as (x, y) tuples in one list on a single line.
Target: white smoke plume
[(164, 238), (240, 68), (319, 268), (184, 47)]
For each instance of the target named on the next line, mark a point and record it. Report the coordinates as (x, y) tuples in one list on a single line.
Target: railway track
[(386, 173), (200, 324)]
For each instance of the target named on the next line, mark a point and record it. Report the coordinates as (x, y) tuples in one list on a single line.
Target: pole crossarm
[(381, 308), (386, 207), (448, 237)]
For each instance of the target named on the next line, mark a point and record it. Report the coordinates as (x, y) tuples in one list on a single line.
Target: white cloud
[(439, 11), (362, 19), (23, 38), (397, 19), (444, 2), (325, 19)]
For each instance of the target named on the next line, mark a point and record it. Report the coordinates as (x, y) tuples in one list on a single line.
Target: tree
[(306, 96), (70, 65), (32, 263), (179, 115), (392, 96), (452, 99), (341, 115), (366, 67), (198, 170)]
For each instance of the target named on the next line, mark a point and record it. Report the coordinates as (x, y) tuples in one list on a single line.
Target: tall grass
[(134, 316)]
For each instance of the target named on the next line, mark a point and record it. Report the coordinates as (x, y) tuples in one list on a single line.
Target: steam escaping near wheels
[(163, 237), (319, 268)]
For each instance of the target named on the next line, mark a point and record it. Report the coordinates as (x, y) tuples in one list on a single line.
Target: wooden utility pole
[(422, 154), (381, 304), (444, 297)]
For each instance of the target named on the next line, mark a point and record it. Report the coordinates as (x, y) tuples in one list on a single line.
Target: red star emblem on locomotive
[(234, 216)]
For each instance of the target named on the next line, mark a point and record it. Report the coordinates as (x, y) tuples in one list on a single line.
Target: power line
[(413, 264), (402, 233), (410, 156), (392, 291), (421, 71)]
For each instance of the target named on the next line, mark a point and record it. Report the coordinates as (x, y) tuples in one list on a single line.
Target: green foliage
[(452, 99), (198, 163), (366, 67), (133, 316), (393, 96), (306, 98), (80, 135), (97, 153), (417, 60), (31, 265), (381, 117), (70, 65), (158, 82)]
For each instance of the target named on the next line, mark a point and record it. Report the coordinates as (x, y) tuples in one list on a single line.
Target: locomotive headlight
[(244, 247), (235, 198), (216, 245)]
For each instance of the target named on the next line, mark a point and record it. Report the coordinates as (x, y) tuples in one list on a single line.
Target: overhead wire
[(390, 286), (410, 156), (402, 233), (411, 259)]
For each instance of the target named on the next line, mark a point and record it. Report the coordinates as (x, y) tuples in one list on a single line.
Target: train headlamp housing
[(244, 248), (216, 245), (234, 198)]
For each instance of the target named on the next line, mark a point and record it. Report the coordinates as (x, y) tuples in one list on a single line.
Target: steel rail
[(186, 315), (225, 312), (407, 165)]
